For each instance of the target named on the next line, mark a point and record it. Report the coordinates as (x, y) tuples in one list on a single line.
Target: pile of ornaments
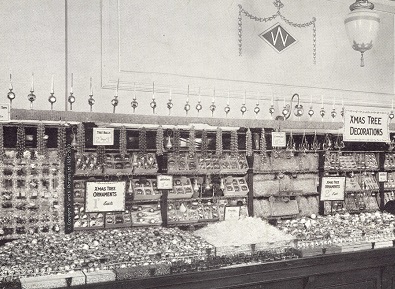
[(318, 231), (94, 250)]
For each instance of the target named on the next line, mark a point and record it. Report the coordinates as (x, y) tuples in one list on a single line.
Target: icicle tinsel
[(218, 142), (61, 142), (191, 141), (41, 147), (262, 147), (248, 143), (234, 149), (101, 155), (122, 142), (176, 141), (159, 141), (80, 138), (204, 143), (20, 141), (143, 141)]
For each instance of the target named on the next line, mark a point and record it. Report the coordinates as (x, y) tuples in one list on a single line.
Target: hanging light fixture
[(362, 25)]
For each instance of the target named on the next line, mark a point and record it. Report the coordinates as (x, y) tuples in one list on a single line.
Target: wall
[(189, 43)]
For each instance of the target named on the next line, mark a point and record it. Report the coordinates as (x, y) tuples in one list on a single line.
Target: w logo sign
[(278, 37)]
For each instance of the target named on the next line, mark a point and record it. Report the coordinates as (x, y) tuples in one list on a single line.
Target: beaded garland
[(143, 141), (234, 150), (101, 155), (262, 147), (248, 143), (41, 146), (20, 141), (61, 142), (122, 142), (176, 141), (191, 141), (81, 138), (218, 142), (159, 141), (204, 143)]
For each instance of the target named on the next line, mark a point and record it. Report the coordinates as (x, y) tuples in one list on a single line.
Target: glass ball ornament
[(310, 112), (153, 105), (227, 109), (271, 110), (199, 107), (134, 104), (322, 112), (187, 107), (285, 111), (298, 110), (31, 97), (257, 109), (243, 109), (114, 102), (212, 108), (333, 113), (169, 104), (52, 99), (71, 98), (391, 115), (11, 95)]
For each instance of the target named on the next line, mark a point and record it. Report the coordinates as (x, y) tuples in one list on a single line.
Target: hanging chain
[(279, 5)]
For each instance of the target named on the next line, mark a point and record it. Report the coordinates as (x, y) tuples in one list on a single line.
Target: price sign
[(332, 188), (383, 177), (105, 197), (279, 139), (103, 136), (4, 112), (164, 182), (232, 213)]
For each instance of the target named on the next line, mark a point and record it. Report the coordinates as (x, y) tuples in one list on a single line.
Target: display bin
[(53, 281), (100, 276), (142, 271)]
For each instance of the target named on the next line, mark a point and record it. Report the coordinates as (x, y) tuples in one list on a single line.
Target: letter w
[(281, 35)]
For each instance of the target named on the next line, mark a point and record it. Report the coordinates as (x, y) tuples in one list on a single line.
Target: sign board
[(105, 197), (366, 126), (383, 177), (164, 182), (279, 139), (103, 136), (332, 188), (4, 112), (232, 213)]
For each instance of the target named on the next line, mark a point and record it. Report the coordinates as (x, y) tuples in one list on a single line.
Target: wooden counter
[(371, 269)]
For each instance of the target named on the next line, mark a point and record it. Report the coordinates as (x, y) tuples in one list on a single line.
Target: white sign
[(279, 139), (332, 188), (164, 182), (4, 112), (105, 197), (103, 136), (232, 213), (366, 126), (383, 176)]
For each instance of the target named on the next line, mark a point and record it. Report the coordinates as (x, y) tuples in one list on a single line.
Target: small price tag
[(332, 188), (232, 213), (4, 112), (279, 139), (383, 176), (103, 136), (164, 182)]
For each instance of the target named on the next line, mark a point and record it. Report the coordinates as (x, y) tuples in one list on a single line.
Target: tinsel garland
[(20, 141), (262, 147), (248, 143), (2, 153), (159, 141), (41, 147), (81, 138), (61, 142), (204, 143), (218, 142), (101, 155), (143, 141), (176, 141), (191, 141), (122, 142), (234, 149)]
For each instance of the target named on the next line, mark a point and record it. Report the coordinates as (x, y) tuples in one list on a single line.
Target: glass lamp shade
[(362, 25)]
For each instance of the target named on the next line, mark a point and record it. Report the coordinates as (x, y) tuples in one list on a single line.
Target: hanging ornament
[(134, 102), (187, 106), (142, 141), (170, 103), (169, 145), (333, 113), (271, 110), (159, 141), (91, 100), (52, 98), (327, 145), (234, 149), (222, 185), (310, 112), (322, 113), (204, 143), (218, 142), (257, 109), (262, 147), (80, 138), (71, 98), (227, 109), (291, 145), (304, 146), (61, 142), (391, 115), (114, 101), (248, 143), (339, 144), (195, 186), (20, 141), (11, 94), (176, 141), (122, 142), (199, 105), (212, 106), (243, 107), (2, 152), (41, 146), (192, 141), (153, 102), (31, 96)]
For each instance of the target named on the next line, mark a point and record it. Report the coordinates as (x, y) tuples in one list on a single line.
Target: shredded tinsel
[(20, 141), (122, 142), (262, 147), (159, 141), (61, 142), (143, 141), (41, 147), (101, 155), (176, 141), (218, 142), (234, 149), (81, 138), (191, 141), (204, 143), (248, 143)]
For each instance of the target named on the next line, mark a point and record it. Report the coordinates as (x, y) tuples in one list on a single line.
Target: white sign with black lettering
[(103, 136), (366, 126), (164, 182), (105, 197), (4, 112), (279, 139), (332, 188)]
